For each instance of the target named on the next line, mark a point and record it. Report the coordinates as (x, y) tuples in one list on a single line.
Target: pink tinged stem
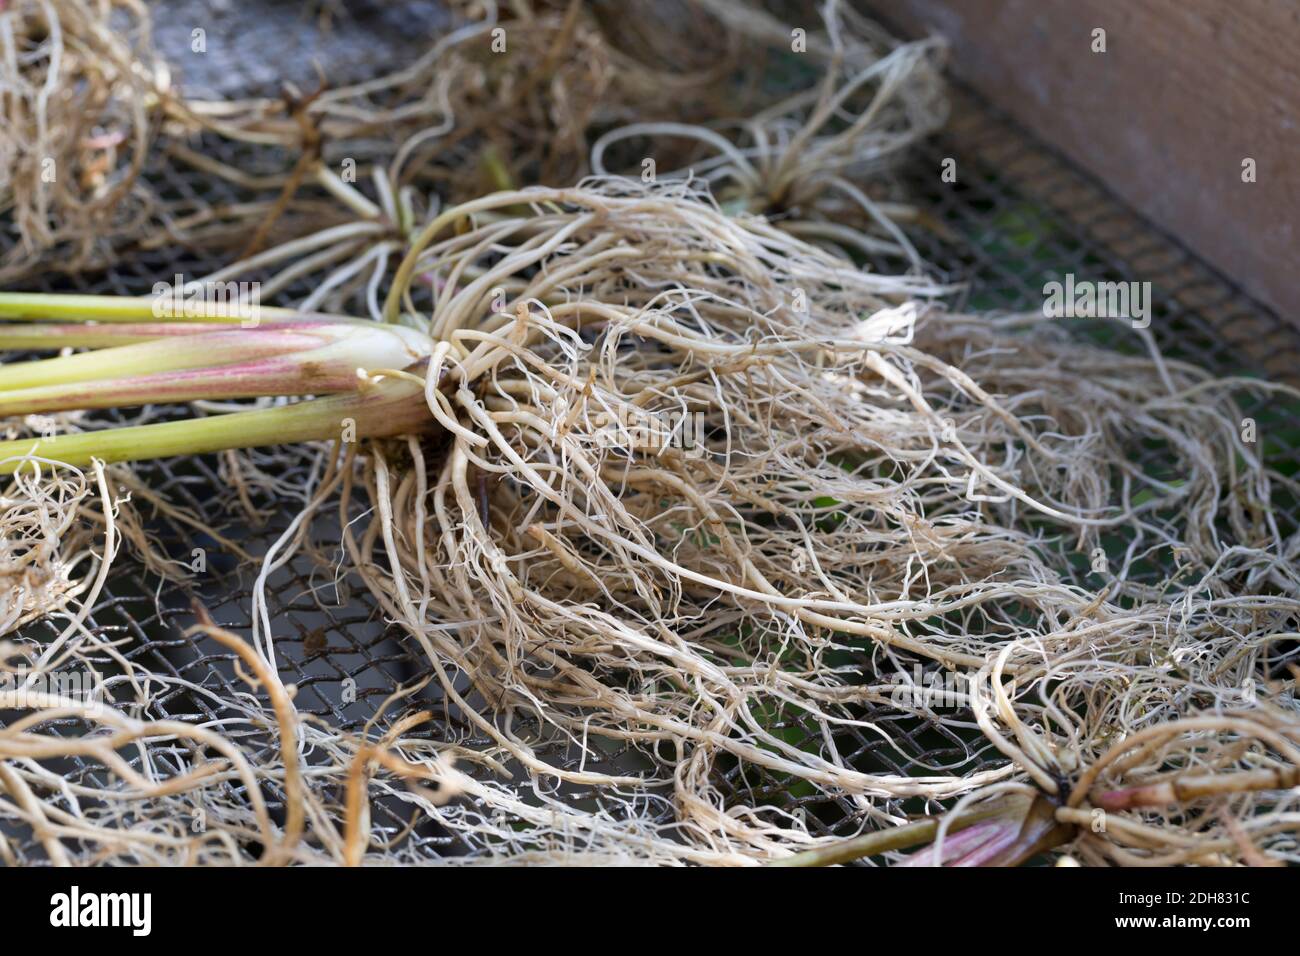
[(144, 358), (991, 851), (252, 363), (50, 336), (1020, 831), (261, 378), (1188, 787), (961, 844)]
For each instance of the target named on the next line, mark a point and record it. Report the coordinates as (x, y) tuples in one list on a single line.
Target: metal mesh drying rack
[(1018, 216)]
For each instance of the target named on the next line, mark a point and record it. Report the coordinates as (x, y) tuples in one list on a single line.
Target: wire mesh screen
[(1017, 216)]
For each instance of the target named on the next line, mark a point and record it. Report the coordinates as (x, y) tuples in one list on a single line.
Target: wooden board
[(1184, 92)]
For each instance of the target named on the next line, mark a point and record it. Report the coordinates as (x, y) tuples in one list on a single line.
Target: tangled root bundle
[(697, 485), (473, 114), (42, 541), (690, 463), (506, 98), (805, 159), (704, 489), (82, 89), (514, 97)]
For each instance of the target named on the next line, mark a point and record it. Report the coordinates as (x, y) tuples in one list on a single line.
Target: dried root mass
[(83, 92), (699, 486), (863, 490)]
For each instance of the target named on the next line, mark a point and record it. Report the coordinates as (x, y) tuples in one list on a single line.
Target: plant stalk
[(390, 407)]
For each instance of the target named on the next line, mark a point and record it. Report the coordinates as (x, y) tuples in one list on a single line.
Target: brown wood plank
[(1185, 91)]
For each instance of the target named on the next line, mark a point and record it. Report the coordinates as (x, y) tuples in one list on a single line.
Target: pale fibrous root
[(707, 490), (702, 481), (83, 91), (700, 486)]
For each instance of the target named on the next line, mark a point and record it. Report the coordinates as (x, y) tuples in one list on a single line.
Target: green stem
[(121, 308), (50, 337), (392, 407)]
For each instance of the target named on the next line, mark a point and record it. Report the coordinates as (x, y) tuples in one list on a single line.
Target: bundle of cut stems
[(137, 357)]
